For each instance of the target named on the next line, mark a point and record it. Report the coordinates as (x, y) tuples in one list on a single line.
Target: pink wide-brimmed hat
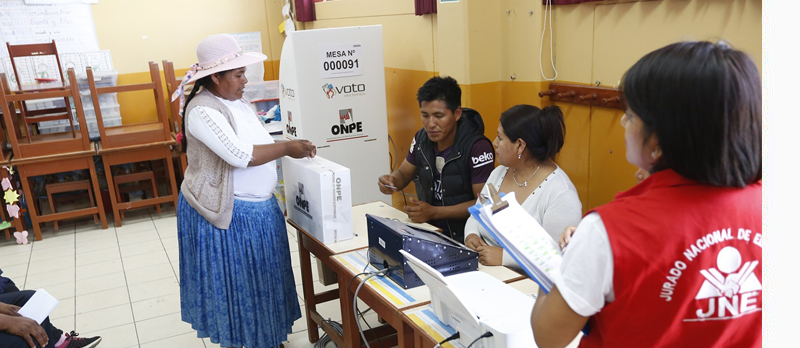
[(217, 53)]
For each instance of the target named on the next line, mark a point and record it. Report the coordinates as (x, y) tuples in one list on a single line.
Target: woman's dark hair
[(543, 130), (441, 88), (703, 103), (202, 82)]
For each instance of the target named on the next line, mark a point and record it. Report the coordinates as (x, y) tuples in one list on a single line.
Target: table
[(308, 245), (386, 298), (427, 330), (386, 309)]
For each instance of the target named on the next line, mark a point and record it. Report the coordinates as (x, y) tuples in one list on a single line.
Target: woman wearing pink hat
[(236, 277)]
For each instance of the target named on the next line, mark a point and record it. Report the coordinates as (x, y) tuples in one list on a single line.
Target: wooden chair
[(130, 143), (68, 186), (138, 178), (172, 83), (49, 114), (51, 153)]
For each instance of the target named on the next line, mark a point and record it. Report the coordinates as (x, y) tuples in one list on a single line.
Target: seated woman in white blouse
[(528, 139)]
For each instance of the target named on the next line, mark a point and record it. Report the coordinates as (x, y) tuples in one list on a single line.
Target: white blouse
[(554, 204), (211, 128)]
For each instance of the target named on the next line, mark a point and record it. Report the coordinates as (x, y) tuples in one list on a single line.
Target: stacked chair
[(151, 140), (44, 154), (172, 83), (36, 155)]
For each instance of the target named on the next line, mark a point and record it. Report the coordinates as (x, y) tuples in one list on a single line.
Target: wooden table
[(386, 298), (308, 245), (426, 330)]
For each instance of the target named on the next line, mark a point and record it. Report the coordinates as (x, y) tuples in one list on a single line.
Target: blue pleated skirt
[(237, 286)]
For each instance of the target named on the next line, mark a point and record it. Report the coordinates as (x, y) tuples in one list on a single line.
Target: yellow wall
[(598, 42), (149, 30), (480, 43)]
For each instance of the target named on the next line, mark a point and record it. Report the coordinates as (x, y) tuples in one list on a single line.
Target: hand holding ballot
[(521, 236)]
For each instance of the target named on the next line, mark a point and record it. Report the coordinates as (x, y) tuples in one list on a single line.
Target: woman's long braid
[(183, 125)]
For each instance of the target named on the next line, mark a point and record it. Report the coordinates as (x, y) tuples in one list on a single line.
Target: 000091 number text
[(340, 64)]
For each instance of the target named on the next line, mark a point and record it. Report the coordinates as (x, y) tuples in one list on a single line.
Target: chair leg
[(119, 200), (173, 185), (96, 186), (52, 206), (29, 197), (91, 201), (112, 192), (155, 193)]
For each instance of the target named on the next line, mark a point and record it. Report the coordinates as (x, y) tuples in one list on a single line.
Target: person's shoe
[(73, 341)]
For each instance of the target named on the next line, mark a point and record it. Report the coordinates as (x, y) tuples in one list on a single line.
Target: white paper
[(527, 241), (39, 306), (340, 60)]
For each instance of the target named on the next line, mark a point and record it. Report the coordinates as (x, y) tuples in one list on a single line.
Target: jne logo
[(731, 289), (482, 160)]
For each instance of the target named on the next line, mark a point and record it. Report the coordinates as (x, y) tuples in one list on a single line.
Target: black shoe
[(73, 341)]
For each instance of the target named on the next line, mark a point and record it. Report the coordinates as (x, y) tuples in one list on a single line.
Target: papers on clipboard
[(521, 236)]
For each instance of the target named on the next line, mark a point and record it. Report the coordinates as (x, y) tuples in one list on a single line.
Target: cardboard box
[(326, 275), (318, 198)]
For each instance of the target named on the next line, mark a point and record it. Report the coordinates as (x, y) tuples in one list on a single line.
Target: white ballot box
[(333, 93), (318, 197)]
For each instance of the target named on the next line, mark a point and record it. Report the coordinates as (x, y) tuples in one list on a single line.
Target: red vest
[(687, 266)]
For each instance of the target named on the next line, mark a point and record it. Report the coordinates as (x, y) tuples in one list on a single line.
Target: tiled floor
[(122, 283)]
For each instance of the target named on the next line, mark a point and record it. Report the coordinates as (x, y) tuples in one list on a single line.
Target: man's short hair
[(441, 88)]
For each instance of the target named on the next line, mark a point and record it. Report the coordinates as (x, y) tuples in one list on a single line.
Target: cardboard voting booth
[(318, 198), (333, 93)]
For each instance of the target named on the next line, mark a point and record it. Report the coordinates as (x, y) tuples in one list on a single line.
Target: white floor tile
[(53, 253), (156, 288), (298, 340), (159, 328), (15, 272), (101, 300), (50, 265), (144, 260), (122, 336), (103, 318), (59, 291), (91, 257), (65, 324), (131, 226), (65, 308), (101, 283), (144, 247), (44, 279), (150, 273), (98, 269), (135, 237), (188, 340), (156, 307)]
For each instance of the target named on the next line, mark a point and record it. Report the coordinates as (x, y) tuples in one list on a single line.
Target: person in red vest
[(674, 261)]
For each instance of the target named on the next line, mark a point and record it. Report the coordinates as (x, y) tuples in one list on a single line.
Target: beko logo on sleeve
[(482, 160)]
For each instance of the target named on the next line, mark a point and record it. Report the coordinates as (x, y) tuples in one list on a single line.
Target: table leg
[(308, 289), (351, 336)]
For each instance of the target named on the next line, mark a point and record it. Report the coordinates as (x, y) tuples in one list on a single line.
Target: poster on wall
[(70, 25)]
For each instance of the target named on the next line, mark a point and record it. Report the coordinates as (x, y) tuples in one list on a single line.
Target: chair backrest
[(172, 83), (132, 134), (33, 50), (45, 145)]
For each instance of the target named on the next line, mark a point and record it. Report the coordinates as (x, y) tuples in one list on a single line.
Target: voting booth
[(333, 93)]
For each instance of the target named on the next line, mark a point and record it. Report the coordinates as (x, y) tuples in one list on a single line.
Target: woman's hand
[(26, 328), (300, 149), (490, 255), (474, 241), (9, 309), (563, 240)]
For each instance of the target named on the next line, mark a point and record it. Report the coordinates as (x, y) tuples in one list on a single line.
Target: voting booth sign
[(318, 198), (333, 93)]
